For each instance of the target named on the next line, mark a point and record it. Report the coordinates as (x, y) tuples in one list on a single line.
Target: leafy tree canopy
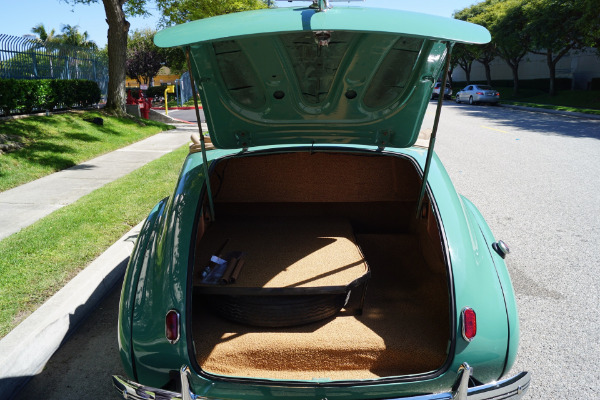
[(180, 11), (144, 59)]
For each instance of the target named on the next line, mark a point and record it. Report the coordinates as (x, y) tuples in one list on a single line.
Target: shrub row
[(46, 94), (539, 84)]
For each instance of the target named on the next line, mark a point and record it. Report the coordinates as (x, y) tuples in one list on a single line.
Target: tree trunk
[(466, 66), (118, 28), (552, 61), (552, 70), (488, 73), (514, 66)]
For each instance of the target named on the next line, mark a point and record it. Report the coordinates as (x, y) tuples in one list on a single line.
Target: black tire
[(457, 100), (277, 311), (471, 100)]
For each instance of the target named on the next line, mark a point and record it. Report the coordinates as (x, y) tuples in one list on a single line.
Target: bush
[(46, 94), (538, 84), (595, 85), (9, 95)]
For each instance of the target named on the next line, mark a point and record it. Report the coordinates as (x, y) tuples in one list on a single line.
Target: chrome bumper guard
[(511, 388)]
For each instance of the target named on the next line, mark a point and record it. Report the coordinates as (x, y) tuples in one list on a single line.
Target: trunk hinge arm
[(438, 111), (211, 206)]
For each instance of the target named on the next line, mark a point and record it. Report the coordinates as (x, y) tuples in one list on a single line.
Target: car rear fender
[(505, 282), (130, 283)]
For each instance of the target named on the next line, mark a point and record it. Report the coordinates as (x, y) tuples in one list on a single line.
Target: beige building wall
[(580, 66)]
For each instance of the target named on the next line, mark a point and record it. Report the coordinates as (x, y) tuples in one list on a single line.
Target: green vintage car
[(317, 252)]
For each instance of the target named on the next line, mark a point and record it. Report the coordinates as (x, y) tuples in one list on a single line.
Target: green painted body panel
[(281, 20), (164, 272), (506, 284), (267, 84), (344, 76), (130, 283)]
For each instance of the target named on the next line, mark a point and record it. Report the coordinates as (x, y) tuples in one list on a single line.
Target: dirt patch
[(10, 143)]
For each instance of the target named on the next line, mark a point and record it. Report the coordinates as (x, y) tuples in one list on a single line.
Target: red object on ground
[(130, 99), (145, 106)]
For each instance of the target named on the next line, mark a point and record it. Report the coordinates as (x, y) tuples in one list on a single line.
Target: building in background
[(581, 67)]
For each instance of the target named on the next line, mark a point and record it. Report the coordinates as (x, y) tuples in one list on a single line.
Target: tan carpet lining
[(404, 328), (405, 325)]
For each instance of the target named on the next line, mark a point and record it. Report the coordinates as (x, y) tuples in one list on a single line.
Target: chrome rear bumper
[(512, 388)]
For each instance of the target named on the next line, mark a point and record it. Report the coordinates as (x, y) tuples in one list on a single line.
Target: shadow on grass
[(46, 154), (84, 137)]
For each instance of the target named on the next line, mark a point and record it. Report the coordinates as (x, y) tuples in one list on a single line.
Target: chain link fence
[(27, 58)]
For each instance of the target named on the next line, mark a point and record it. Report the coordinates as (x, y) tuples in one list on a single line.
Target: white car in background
[(474, 94), (436, 91)]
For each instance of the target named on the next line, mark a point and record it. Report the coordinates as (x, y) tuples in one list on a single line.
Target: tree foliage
[(548, 27), (118, 29), (486, 53), (555, 43), (174, 11), (43, 35), (73, 37), (144, 59), (463, 56), (180, 11), (70, 36)]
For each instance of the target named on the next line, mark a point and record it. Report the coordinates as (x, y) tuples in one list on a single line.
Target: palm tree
[(72, 36), (48, 41), (44, 35)]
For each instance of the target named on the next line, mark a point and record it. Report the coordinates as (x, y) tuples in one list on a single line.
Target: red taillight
[(172, 326), (469, 324), (479, 93)]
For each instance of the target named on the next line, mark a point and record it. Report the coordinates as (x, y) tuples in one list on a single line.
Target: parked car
[(317, 252), (475, 94), (436, 91)]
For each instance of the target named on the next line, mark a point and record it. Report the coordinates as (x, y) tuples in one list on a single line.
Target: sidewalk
[(24, 205), (26, 349)]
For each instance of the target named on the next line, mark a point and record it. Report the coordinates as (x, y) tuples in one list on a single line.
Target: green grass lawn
[(52, 143), (587, 101), (39, 260)]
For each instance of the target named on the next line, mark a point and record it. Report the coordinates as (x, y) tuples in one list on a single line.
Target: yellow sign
[(169, 89)]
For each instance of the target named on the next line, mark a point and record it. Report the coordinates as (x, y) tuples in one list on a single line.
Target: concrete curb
[(26, 349), (177, 108)]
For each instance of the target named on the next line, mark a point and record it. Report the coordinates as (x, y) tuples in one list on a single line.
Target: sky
[(18, 17)]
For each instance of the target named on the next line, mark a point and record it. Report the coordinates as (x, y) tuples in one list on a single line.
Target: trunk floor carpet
[(403, 330)]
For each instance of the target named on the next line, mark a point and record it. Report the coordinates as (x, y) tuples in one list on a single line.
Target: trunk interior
[(311, 223)]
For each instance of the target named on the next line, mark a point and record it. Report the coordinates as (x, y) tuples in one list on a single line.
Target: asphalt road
[(186, 115), (536, 179)]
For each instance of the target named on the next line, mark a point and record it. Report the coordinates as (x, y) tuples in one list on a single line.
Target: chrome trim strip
[(509, 389), (132, 390), (464, 374)]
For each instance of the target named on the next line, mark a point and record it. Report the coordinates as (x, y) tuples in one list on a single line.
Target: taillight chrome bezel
[(178, 326), (464, 325)]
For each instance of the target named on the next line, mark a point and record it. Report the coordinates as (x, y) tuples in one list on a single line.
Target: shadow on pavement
[(545, 124)]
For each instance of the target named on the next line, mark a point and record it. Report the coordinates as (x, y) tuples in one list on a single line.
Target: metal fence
[(186, 88), (27, 58)]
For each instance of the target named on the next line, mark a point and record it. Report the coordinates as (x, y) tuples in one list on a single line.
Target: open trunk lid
[(303, 76)]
